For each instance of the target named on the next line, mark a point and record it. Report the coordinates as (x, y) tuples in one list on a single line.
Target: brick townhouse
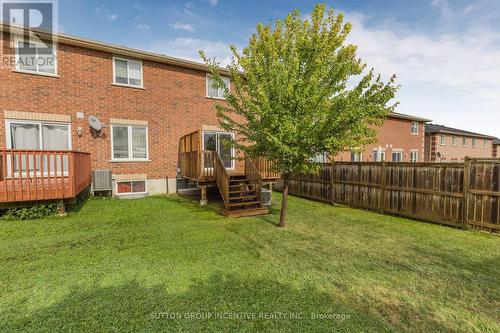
[(496, 148), (399, 139), (147, 102), (446, 144)]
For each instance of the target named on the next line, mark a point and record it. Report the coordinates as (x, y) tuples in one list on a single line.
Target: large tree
[(297, 90)]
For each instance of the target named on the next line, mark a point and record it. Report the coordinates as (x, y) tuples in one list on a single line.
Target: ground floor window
[(356, 156), (130, 187), (129, 142), (378, 156), (397, 156), (414, 156)]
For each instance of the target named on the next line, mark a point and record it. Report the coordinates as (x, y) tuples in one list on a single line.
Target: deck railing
[(265, 168), (253, 176), (222, 179), (35, 175)]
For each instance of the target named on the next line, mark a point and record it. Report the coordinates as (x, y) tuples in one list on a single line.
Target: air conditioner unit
[(102, 180)]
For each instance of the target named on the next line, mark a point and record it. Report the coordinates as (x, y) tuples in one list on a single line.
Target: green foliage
[(30, 213), (290, 98)]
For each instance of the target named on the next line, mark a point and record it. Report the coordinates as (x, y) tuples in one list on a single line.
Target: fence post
[(332, 181), (382, 189), (466, 184)]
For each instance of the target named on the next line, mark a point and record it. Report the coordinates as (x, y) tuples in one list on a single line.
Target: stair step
[(243, 197), (242, 191), (247, 203), (245, 212), (241, 185)]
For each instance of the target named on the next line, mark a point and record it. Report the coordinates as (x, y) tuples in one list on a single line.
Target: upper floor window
[(474, 142), (129, 142), (35, 56), (217, 92), (464, 141), (443, 140), (414, 127), (127, 72), (485, 143), (454, 141)]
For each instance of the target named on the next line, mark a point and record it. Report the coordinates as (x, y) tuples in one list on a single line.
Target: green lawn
[(130, 265)]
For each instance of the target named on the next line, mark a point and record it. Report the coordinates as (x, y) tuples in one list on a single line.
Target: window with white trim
[(131, 187), (217, 92), (378, 157), (414, 127), (356, 156), (473, 142), (443, 140), (35, 56), (464, 141), (127, 72), (485, 144), (454, 141), (397, 156), (129, 142), (414, 156)]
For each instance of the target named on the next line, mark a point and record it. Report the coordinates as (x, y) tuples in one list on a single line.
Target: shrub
[(31, 213)]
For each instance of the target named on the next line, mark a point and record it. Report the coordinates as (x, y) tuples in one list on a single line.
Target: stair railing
[(253, 176), (221, 178)]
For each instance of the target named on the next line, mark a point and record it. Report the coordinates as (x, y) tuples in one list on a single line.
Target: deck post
[(203, 200), (61, 209)]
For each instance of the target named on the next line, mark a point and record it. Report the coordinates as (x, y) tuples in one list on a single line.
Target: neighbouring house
[(399, 139), (158, 112), (496, 148), (446, 144)]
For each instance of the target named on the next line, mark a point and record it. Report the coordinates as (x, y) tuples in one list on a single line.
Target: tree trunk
[(284, 202)]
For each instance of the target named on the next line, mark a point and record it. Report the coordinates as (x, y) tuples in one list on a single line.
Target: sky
[(445, 53)]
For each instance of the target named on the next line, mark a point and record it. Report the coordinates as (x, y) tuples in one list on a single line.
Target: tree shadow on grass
[(223, 303)]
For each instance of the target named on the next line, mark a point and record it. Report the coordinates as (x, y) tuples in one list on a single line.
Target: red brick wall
[(394, 134), (495, 151), (173, 102)]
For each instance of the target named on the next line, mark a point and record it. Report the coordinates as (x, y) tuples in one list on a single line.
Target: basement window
[(131, 187)]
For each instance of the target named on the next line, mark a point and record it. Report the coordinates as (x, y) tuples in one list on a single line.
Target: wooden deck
[(37, 175)]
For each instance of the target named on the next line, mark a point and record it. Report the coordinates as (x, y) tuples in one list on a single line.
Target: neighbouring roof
[(111, 48), (433, 128), (408, 117), (496, 141)]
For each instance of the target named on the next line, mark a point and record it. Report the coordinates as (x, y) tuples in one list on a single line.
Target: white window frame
[(358, 154), (129, 137), (464, 141), (415, 128), (128, 74), (414, 153), (131, 193), (397, 151), (207, 88), (454, 141), (485, 144), (443, 140), (8, 122), (382, 155), (18, 39), (233, 151), (474, 143)]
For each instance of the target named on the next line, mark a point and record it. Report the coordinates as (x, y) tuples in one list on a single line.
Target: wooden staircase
[(241, 192)]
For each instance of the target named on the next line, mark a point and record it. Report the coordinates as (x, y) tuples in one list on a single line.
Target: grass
[(149, 264)]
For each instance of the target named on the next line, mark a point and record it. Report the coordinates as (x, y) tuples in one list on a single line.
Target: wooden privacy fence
[(456, 194)]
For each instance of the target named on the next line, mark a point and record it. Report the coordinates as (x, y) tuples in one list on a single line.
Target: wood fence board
[(447, 193)]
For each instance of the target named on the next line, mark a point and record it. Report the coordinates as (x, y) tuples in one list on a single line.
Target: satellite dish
[(95, 123)]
